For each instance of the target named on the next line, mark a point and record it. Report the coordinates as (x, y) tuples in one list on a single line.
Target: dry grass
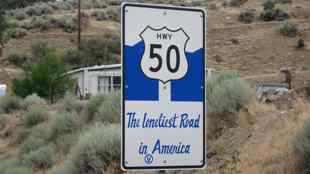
[(268, 150)]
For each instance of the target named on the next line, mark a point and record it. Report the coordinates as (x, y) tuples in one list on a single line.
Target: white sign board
[(163, 120)]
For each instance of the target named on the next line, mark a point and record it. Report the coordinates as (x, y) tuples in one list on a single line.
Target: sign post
[(163, 62)]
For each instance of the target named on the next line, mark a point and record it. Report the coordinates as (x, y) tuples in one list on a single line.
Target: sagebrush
[(94, 152), (42, 158), (226, 92), (110, 109), (35, 115), (10, 104), (64, 123)]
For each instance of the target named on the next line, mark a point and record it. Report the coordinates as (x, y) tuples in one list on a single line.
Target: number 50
[(159, 58)]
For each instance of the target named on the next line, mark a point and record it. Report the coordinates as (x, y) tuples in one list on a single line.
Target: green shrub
[(40, 132), (19, 170), (20, 14), (2, 111), (64, 123), (274, 15), (10, 104), (61, 5), (73, 58), (32, 100), (71, 103), (289, 29), (110, 109), (64, 143), (7, 163), (247, 16), (40, 49), (35, 115), (226, 92), (114, 13), (99, 51), (269, 4), (42, 158), (96, 149), (301, 144), (66, 22), (226, 95), (41, 23), (32, 143), (31, 11), (17, 60), (38, 9), (46, 78), (3, 120), (100, 15), (94, 104), (25, 24), (12, 166), (16, 33), (66, 168), (231, 3)]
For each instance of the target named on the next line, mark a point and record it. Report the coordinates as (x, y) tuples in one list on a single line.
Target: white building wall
[(87, 78)]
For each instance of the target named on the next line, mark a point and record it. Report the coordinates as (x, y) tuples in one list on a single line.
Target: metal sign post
[(163, 108)]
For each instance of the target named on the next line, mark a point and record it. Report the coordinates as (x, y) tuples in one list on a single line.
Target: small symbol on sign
[(148, 159)]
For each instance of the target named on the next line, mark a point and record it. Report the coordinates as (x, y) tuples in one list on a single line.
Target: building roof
[(96, 68)]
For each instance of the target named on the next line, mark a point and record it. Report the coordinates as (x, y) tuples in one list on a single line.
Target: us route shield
[(163, 88)]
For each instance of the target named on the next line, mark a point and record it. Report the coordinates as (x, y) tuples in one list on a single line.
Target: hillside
[(232, 45)]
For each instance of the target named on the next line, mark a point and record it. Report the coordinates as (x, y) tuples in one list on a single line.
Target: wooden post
[(79, 25)]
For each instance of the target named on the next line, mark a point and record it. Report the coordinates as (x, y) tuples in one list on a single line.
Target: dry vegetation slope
[(261, 49), (268, 148)]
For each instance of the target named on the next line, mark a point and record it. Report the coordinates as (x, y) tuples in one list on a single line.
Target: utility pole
[(79, 25)]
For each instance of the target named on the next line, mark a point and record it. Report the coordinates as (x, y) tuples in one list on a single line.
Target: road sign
[(163, 120)]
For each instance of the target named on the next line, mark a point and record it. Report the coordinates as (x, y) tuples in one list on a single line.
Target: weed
[(289, 29)]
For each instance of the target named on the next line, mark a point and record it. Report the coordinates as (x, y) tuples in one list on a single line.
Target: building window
[(116, 83), (108, 83), (104, 84)]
